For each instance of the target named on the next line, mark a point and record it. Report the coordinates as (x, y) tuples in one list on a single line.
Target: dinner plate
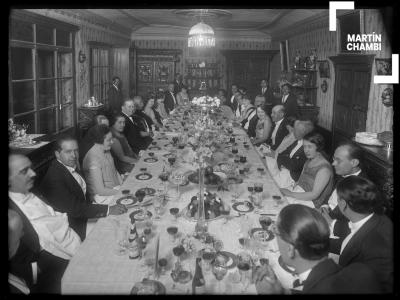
[(147, 190), (182, 181), (261, 235), (127, 200), (243, 207), (148, 287), (154, 148), (285, 266), (150, 159), (138, 215), (230, 259), (143, 176)]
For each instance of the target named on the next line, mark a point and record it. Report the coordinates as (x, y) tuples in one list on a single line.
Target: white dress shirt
[(232, 98), (284, 98), (76, 176), (277, 124), (130, 117), (354, 227), (251, 116), (263, 90), (52, 228), (19, 283), (116, 87), (299, 144), (173, 97)]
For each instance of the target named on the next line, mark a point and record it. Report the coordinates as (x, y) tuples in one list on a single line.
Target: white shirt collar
[(19, 197), (116, 87), (278, 123), (68, 167), (354, 174), (304, 275), (354, 227)]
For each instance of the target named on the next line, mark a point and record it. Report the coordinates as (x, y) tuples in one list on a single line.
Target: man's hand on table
[(117, 209), (266, 281)]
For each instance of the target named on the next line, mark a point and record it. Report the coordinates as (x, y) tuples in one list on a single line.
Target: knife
[(156, 261)]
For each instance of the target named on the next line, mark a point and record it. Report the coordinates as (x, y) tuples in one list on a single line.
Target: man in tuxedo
[(289, 101), (178, 83), (170, 100), (371, 238), (114, 97), (266, 91), (291, 161), (133, 130), (303, 240), (48, 238), (232, 101), (279, 130), (65, 189)]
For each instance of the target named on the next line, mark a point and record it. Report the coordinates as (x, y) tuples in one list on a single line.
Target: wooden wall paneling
[(121, 67)]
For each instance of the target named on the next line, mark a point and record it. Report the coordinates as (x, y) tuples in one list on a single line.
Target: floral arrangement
[(206, 101), (15, 130), (187, 244)]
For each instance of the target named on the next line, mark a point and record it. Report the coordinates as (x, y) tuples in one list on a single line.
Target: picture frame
[(383, 66), (284, 51), (323, 67)]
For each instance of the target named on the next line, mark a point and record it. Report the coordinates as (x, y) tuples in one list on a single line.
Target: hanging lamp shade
[(201, 35)]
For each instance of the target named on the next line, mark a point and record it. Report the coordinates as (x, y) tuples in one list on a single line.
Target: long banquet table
[(97, 269)]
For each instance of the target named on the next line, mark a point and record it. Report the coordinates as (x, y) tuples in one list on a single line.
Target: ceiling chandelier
[(201, 35)]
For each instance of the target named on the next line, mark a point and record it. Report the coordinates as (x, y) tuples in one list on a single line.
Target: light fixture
[(201, 35)]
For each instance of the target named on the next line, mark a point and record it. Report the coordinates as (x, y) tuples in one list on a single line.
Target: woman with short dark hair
[(102, 178), (263, 127), (316, 180), (151, 112)]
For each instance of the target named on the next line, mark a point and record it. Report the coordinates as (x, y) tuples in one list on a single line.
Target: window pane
[(65, 90), (62, 38), (47, 121), (44, 35), (28, 119), (46, 93), (22, 97), (21, 31), (66, 117), (21, 63), (64, 64), (45, 64)]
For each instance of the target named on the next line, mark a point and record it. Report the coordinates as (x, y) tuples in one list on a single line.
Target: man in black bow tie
[(65, 188)]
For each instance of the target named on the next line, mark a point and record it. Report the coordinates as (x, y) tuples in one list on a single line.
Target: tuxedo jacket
[(132, 133), (280, 134), (251, 131), (233, 105), (269, 96), (290, 105), (295, 163), (329, 278), (65, 195), (51, 267), (372, 245), (115, 99), (169, 103)]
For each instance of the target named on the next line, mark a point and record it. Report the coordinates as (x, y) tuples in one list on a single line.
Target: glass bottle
[(198, 283)]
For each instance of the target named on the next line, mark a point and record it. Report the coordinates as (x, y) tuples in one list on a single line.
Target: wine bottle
[(198, 283)]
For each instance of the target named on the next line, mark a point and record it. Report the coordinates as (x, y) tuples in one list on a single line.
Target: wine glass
[(258, 188), (235, 149), (236, 191), (164, 178), (244, 272), (171, 160), (162, 263), (157, 204), (143, 170), (175, 212), (260, 171), (122, 234), (219, 272), (151, 154), (207, 257), (265, 222), (140, 194), (172, 231), (277, 199)]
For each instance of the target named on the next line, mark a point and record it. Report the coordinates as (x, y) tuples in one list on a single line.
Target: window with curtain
[(41, 77), (100, 70)]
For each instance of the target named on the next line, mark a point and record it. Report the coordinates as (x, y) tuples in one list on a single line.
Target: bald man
[(279, 130)]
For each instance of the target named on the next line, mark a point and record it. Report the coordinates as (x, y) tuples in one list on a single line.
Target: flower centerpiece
[(206, 101), (16, 132)]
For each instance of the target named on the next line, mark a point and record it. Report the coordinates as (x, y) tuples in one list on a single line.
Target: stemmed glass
[(171, 160), (244, 271), (236, 191), (235, 149), (258, 188), (260, 171), (219, 272), (122, 234), (175, 212), (140, 194), (172, 231), (157, 204), (164, 178)]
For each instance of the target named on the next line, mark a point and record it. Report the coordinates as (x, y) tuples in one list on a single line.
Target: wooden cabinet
[(86, 118), (247, 68), (203, 72)]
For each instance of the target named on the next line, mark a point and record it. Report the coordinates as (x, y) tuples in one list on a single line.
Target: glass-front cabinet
[(41, 73)]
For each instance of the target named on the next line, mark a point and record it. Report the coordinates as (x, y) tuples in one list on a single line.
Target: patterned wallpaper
[(212, 57), (317, 35)]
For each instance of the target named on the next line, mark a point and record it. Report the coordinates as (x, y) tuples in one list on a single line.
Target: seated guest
[(17, 275), (225, 107), (316, 180), (65, 189), (259, 100), (238, 110), (159, 107), (140, 114), (279, 126), (263, 128), (347, 161), (124, 157), (102, 177), (222, 94), (288, 139), (286, 169), (47, 233), (170, 100), (289, 101), (371, 238), (303, 241), (182, 97), (101, 119), (151, 113), (248, 112), (233, 102)]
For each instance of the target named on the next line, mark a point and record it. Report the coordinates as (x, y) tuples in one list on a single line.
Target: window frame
[(102, 46)]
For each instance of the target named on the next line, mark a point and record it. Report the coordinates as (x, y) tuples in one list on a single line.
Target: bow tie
[(297, 283)]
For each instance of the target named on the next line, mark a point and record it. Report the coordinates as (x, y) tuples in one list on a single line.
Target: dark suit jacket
[(290, 105), (132, 134), (251, 131), (233, 105), (372, 245), (51, 267), (115, 99), (280, 135), (169, 103), (65, 195), (269, 96), (294, 164), (329, 278)]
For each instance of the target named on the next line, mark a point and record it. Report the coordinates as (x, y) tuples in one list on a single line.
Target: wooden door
[(121, 68)]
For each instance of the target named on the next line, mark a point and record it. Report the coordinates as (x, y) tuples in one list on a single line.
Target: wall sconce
[(387, 97), (81, 57)]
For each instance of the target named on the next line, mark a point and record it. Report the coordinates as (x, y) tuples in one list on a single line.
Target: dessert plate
[(261, 235), (150, 159), (127, 201), (148, 191), (143, 176), (138, 215), (243, 207), (154, 148)]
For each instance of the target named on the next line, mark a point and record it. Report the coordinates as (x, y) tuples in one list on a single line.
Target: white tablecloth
[(97, 269)]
